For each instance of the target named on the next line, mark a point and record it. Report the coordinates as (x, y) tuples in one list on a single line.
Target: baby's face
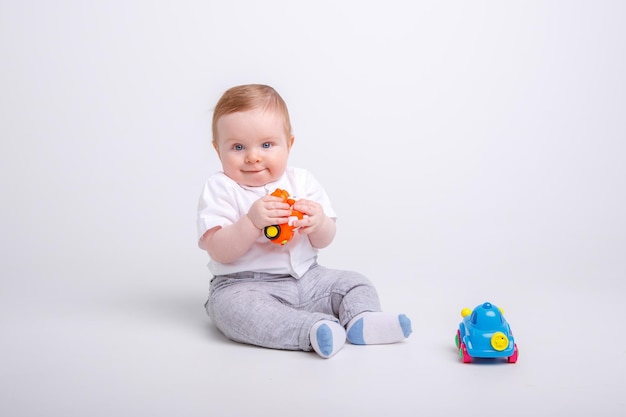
[(253, 146)]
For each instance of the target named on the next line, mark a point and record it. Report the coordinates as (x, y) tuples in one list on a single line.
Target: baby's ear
[(290, 142)]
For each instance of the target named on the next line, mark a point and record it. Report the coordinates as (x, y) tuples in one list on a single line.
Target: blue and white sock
[(327, 337), (375, 328)]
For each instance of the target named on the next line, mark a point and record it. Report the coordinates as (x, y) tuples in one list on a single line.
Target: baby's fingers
[(307, 207), (279, 216)]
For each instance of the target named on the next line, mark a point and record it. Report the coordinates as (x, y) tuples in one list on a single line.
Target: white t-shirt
[(223, 202)]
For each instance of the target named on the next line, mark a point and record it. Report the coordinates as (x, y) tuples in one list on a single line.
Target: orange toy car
[(282, 233)]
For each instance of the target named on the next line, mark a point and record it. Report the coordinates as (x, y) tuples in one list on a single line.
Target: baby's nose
[(252, 157)]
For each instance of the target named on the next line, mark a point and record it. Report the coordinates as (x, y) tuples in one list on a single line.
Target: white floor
[(130, 349)]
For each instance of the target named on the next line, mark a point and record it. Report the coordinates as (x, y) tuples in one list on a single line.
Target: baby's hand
[(269, 210), (314, 218)]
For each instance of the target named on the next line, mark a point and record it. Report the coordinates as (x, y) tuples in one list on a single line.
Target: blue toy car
[(484, 333)]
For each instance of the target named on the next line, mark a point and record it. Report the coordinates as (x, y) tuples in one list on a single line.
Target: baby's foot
[(374, 328), (327, 337)]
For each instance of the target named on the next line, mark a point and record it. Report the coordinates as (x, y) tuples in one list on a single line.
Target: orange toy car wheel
[(272, 232)]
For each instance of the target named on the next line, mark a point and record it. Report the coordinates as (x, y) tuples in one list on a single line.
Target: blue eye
[(238, 147), (266, 145)]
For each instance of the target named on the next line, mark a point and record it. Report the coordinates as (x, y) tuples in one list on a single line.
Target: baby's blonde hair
[(248, 97)]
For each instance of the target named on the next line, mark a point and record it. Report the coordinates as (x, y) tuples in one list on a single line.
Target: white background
[(474, 151)]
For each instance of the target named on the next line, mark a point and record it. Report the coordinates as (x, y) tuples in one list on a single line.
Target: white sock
[(374, 328), (327, 337)]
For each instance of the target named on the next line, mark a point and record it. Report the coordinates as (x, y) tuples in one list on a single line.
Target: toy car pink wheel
[(513, 357), (463, 353)]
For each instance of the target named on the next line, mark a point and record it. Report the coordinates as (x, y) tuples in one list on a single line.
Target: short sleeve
[(216, 205)]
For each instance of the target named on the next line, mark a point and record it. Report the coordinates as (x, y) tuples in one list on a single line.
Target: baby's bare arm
[(316, 224), (227, 244)]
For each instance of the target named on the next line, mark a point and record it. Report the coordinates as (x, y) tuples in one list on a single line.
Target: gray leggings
[(277, 311)]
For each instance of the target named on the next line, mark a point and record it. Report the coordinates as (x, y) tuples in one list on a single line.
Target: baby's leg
[(352, 297), (260, 312)]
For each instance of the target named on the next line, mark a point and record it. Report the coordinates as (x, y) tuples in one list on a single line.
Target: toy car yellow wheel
[(499, 341), (272, 232)]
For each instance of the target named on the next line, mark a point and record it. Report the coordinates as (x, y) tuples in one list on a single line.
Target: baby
[(277, 295)]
